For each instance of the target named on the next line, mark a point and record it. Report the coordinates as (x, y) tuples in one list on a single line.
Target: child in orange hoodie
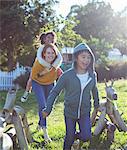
[(42, 84), (46, 38)]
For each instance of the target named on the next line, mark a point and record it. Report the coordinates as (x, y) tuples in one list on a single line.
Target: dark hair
[(75, 56), (52, 33), (43, 36)]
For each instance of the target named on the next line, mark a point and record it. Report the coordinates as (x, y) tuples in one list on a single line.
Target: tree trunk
[(10, 56)]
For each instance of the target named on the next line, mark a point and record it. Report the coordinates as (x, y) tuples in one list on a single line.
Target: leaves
[(20, 23)]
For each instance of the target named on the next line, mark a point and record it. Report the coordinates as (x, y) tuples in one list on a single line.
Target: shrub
[(114, 70)]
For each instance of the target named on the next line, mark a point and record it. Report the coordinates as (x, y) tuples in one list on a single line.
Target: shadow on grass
[(97, 143), (37, 145)]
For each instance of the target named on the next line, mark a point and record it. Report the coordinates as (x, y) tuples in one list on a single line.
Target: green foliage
[(27, 59), (94, 18), (21, 20), (13, 32), (98, 20), (100, 49), (66, 36)]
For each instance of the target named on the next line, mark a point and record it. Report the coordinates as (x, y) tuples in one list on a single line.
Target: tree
[(69, 37), (66, 36), (94, 19), (119, 27), (99, 21), (20, 23), (100, 49)]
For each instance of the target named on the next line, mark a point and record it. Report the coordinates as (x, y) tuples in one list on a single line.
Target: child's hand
[(40, 74), (93, 117), (44, 114), (59, 72)]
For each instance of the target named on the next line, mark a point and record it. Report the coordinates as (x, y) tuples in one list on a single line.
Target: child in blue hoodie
[(79, 84)]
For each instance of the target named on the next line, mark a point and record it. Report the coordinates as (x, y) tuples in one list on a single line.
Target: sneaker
[(76, 145), (47, 138), (25, 96), (39, 127)]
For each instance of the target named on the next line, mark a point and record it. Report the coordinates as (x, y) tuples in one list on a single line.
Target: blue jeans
[(84, 133), (41, 93)]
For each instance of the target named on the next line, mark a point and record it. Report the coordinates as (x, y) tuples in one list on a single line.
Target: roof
[(67, 50)]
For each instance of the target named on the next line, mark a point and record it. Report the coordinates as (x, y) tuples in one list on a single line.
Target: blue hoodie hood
[(84, 47)]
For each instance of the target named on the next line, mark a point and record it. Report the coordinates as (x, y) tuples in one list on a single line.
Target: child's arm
[(46, 70), (53, 94), (95, 93), (40, 59)]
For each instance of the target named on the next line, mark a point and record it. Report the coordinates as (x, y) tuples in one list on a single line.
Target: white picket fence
[(6, 78)]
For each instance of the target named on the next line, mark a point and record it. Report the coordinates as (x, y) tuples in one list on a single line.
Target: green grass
[(56, 127)]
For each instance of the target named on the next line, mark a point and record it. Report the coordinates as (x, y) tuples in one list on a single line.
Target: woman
[(42, 84), (45, 38)]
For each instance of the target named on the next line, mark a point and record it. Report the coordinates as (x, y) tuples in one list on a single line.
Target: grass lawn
[(56, 126)]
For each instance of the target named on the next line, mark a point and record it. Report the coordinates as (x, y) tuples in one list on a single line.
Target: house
[(115, 54)]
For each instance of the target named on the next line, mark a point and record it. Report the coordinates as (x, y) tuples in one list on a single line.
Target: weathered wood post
[(110, 108), (23, 144), (26, 128), (22, 114), (10, 100), (16, 115)]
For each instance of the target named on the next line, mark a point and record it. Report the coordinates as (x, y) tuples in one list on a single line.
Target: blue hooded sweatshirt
[(77, 102)]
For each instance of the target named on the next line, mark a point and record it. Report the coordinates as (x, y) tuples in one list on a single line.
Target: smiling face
[(83, 61), (49, 55), (49, 38)]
